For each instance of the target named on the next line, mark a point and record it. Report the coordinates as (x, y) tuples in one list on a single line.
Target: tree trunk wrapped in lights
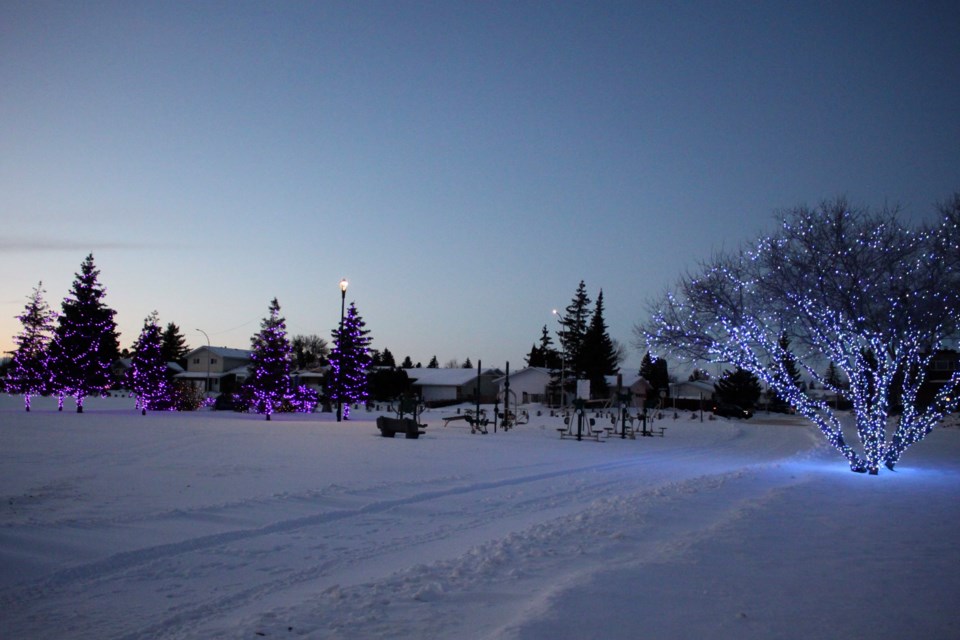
[(875, 298)]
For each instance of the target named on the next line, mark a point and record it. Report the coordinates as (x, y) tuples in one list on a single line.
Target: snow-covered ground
[(220, 525)]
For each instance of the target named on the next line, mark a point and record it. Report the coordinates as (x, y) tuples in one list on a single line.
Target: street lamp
[(206, 386), (343, 301), (563, 361)]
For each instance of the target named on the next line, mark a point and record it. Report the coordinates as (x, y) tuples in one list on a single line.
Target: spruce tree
[(788, 364), (467, 364), (433, 364), (833, 379), (349, 361), (654, 371), (388, 359), (147, 375), (85, 342), (269, 382), (599, 356), (739, 387), (535, 357), (407, 363), (544, 354), (173, 347), (28, 373), (574, 323)]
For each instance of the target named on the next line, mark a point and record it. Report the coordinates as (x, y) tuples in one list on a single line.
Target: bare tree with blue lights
[(860, 290)]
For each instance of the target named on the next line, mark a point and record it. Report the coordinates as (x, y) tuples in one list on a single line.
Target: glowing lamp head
[(343, 285)]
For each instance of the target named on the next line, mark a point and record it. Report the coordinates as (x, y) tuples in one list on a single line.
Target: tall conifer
[(29, 374), (85, 342), (269, 381)]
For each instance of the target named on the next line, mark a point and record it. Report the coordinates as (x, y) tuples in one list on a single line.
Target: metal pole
[(343, 300), (506, 400), (206, 386), (478, 390)]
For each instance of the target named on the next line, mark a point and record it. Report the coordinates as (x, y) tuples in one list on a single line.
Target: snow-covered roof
[(126, 363), (525, 372), (678, 389), (628, 380), (224, 352), (445, 377)]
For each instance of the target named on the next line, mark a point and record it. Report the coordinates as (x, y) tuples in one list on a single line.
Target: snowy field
[(220, 525)]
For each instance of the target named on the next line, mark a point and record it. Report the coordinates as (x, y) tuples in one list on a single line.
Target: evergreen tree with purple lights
[(147, 375), (349, 361), (85, 342), (862, 291), (268, 385), (28, 372)]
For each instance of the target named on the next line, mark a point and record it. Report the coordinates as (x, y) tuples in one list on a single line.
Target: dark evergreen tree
[(739, 387), (407, 363), (833, 379), (654, 371), (349, 361), (467, 364), (433, 364), (174, 347), (599, 357), (268, 385), (544, 354), (574, 325), (28, 373), (376, 360), (147, 375), (85, 343), (388, 359), (388, 384), (788, 365)]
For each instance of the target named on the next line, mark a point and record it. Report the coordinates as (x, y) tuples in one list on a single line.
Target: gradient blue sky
[(464, 165)]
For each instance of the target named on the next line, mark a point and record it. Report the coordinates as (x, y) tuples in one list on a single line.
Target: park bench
[(389, 427)]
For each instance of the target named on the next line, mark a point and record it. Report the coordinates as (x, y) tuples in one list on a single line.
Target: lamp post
[(563, 361), (206, 386), (343, 301)]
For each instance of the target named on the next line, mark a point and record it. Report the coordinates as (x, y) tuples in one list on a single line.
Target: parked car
[(726, 410)]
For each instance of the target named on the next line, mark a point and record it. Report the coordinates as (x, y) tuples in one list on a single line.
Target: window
[(196, 361), (213, 361)]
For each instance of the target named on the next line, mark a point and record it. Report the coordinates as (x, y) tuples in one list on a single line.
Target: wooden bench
[(389, 427)]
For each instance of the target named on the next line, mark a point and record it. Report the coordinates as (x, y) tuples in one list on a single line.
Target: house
[(120, 367), (310, 378), (691, 394), (635, 384), (216, 369), (454, 385), (526, 386), (942, 367)]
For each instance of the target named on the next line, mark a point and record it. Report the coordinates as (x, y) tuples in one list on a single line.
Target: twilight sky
[(463, 165)]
